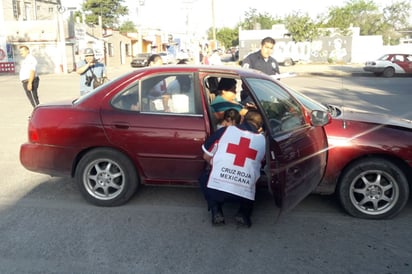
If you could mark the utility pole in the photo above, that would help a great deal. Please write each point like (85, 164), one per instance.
(213, 25)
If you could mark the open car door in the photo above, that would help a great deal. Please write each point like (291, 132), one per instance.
(296, 150)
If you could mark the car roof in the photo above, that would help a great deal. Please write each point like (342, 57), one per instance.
(209, 69)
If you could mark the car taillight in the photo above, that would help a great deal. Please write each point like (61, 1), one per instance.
(33, 134)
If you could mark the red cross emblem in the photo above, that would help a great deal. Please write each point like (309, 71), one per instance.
(242, 151)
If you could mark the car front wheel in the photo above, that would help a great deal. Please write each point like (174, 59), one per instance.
(373, 189)
(106, 177)
(389, 72)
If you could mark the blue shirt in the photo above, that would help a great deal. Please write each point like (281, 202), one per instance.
(98, 69)
(219, 104)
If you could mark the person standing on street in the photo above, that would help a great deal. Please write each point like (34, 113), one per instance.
(262, 60)
(90, 70)
(28, 75)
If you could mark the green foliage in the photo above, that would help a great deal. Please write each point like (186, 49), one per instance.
(357, 13)
(301, 27)
(256, 20)
(371, 21)
(109, 10)
(228, 37)
(127, 26)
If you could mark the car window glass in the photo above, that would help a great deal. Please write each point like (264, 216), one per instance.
(169, 93)
(283, 112)
(127, 99)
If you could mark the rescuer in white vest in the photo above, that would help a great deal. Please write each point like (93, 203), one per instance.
(235, 155)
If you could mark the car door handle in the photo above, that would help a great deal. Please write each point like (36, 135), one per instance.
(121, 126)
(295, 171)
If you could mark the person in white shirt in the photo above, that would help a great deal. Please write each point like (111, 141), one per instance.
(28, 75)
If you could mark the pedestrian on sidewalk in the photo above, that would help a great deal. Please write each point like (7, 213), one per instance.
(28, 75)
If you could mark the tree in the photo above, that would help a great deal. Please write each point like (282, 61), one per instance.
(255, 20)
(301, 27)
(109, 10)
(396, 17)
(228, 37)
(127, 26)
(366, 16)
(356, 13)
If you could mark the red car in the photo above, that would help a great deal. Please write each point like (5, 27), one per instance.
(119, 136)
(370, 160)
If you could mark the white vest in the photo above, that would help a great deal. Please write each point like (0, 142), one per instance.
(237, 161)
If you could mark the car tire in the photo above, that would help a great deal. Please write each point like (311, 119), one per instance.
(288, 62)
(389, 72)
(373, 189)
(106, 177)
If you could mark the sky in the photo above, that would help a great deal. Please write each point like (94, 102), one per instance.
(189, 16)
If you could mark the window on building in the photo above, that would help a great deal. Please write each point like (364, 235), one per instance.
(110, 49)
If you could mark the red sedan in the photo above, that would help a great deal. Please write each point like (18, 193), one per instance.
(123, 134)
(370, 160)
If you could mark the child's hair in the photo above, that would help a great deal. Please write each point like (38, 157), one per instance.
(232, 115)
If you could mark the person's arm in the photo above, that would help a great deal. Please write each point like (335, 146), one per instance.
(83, 68)
(30, 80)
(165, 101)
(207, 158)
(246, 63)
(210, 146)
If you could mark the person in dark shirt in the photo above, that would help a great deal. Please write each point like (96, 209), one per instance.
(262, 60)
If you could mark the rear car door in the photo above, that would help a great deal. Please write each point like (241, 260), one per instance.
(165, 145)
(405, 62)
(296, 150)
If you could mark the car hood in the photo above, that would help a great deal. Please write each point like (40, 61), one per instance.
(370, 117)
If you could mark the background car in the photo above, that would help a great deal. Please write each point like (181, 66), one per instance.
(140, 60)
(370, 160)
(117, 137)
(390, 64)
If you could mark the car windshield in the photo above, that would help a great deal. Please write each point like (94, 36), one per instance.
(384, 57)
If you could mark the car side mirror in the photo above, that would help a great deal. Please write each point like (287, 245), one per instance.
(320, 118)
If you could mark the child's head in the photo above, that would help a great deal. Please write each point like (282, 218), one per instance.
(231, 117)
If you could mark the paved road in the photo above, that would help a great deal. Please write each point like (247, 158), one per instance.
(46, 227)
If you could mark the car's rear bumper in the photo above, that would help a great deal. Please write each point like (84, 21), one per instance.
(47, 159)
